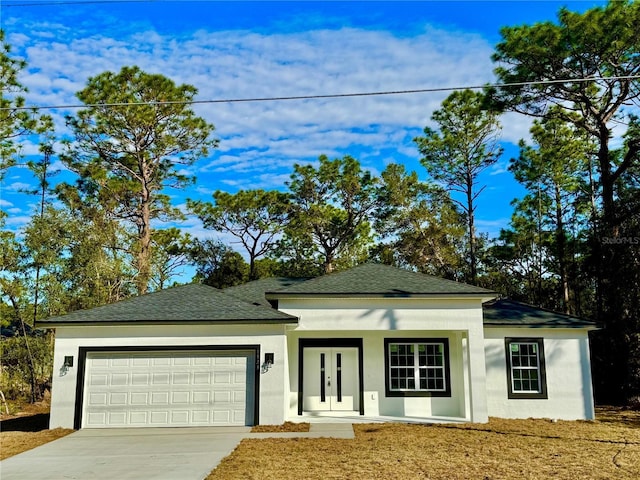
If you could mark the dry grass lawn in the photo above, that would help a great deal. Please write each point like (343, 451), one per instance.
(27, 429)
(608, 448)
(285, 427)
(13, 443)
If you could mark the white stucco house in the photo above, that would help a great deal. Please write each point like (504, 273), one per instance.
(372, 342)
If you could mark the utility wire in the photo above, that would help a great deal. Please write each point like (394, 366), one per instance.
(315, 97)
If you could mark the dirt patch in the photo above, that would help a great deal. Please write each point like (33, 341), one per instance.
(504, 449)
(26, 409)
(285, 427)
(14, 443)
(27, 429)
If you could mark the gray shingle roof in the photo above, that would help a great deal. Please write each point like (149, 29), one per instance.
(193, 303)
(253, 292)
(504, 312)
(379, 280)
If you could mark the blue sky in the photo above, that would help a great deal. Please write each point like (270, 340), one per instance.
(234, 49)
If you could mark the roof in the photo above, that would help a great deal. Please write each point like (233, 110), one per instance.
(505, 312)
(193, 303)
(253, 292)
(372, 279)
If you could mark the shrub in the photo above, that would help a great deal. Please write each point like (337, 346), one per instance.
(15, 372)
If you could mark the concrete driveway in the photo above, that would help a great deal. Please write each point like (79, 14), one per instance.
(142, 453)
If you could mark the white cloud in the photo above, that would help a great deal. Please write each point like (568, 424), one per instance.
(499, 167)
(17, 186)
(239, 64)
(260, 141)
(17, 221)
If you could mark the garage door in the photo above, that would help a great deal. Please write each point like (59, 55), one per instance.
(168, 389)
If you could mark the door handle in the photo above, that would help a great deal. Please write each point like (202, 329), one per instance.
(328, 381)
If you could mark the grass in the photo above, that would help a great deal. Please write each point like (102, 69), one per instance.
(285, 427)
(26, 430)
(606, 448)
(13, 443)
(501, 449)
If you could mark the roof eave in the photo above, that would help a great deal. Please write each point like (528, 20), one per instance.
(466, 295)
(86, 323)
(583, 326)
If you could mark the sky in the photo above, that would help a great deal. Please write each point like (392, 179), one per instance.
(238, 50)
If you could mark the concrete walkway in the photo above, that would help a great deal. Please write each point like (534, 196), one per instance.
(142, 453)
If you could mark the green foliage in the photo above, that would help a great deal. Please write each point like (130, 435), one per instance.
(331, 208)
(15, 374)
(597, 53)
(419, 225)
(126, 155)
(554, 171)
(217, 265)
(16, 122)
(170, 253)
(465, 144)
(600, 44)
(255, 217)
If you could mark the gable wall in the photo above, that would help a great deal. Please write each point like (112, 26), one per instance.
(568, 374)
(383, 313)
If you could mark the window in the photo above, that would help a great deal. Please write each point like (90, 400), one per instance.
(525, 368)
(417, 367)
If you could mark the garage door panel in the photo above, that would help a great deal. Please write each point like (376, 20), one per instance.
(138, 418)
(179, 397)
(139, 398)
(175, 388)
(118, 419)
(98, 418)
(98, 399)
(99, 379)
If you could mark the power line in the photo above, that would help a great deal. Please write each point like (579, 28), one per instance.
(316, 97)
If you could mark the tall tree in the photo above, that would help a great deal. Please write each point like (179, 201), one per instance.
(331, 208)
(98, 262)
(170, 253)
(16, 121)
(217, 265)
(552, 170)
(519, 259)
(136, 130)
(43, 173)
(255, 217)
(596, 52)
(465, 144)
(419, 225)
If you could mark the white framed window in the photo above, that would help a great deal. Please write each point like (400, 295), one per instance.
(417, 367)
(526, 368)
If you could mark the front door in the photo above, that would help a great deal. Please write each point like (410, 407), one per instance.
(331, 380)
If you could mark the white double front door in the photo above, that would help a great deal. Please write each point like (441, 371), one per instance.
(331, 380)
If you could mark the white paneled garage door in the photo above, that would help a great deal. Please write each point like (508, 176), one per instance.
(168, 388)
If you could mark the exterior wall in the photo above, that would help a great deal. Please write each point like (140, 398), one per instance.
(568, 375)
(375, 319)
(270, 338)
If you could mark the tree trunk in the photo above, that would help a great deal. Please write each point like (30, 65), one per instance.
(144, 242)
(562, 255)
(473, 269)
(32, 366)
(616, 377)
